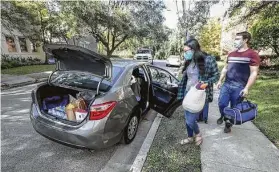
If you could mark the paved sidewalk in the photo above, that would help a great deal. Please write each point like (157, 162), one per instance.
(10, 81)
(245, 149)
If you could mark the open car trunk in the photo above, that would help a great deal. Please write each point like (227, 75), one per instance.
(68, 105)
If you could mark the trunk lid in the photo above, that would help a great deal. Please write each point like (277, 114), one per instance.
(74, 58)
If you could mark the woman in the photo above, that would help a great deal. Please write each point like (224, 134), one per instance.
(198, 67)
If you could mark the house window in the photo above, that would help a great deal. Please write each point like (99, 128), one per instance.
(22, 43)
(34, 47)
(11, 44)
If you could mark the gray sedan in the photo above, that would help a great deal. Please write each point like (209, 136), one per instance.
(117, 94)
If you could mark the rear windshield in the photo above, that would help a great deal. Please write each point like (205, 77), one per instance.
(85, 80)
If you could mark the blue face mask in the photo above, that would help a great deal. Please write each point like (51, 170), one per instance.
(188, 55)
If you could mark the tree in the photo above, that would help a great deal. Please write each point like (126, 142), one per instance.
(27, 17)
(247, 10)
(262, 20)
(194, 16)
(39, 21)
(210, 37)
(114, 22)
(265, 30)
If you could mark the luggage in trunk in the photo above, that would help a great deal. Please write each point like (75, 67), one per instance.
(64, 103)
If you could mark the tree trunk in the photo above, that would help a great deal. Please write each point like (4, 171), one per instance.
(275, 48)
(109, 53)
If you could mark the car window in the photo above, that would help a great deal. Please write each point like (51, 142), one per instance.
(160, 76)
(143, 52)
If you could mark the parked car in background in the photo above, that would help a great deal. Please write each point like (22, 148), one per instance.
(144, 54)
(92, 102)
(174, 60)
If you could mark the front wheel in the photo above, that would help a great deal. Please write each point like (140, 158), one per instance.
(131, 129)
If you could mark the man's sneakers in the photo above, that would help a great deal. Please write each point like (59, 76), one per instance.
(220, 120)
(228, 127)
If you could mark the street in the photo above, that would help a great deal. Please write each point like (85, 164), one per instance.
(25, 150)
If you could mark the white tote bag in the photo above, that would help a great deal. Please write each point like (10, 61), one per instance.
(194, 100)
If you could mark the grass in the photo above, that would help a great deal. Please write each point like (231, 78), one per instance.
(166, 154)
(265, 93)
(28, 69)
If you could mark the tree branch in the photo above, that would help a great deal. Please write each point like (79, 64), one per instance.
(120, 42)
(99, 37)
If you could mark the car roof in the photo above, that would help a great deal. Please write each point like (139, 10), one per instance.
(126, 63)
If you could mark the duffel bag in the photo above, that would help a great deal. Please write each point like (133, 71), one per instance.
(55, 101)
(243, 111)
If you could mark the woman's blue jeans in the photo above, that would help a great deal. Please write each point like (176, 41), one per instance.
(191, 123)
(204, 113)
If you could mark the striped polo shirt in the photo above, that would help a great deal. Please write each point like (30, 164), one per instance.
(239, 66)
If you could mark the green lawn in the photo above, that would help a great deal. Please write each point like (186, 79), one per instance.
(265, 93)
(166, 153)
(28, 69)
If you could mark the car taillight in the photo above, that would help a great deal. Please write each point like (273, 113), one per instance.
(101, 110)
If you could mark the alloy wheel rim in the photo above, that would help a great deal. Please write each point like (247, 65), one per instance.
(132, 128)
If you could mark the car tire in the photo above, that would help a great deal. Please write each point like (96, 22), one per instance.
(130, 131)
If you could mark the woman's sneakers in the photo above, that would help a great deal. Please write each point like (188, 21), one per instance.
(220, 120)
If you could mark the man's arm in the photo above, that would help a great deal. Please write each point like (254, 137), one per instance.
(223, 72)
(223, 75)
(252, 79)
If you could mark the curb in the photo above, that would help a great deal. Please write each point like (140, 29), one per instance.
(141, 157)
(6, 86)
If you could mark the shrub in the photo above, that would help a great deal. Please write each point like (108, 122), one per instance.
(11, 62)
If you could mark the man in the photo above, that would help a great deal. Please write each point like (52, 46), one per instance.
(240, 71)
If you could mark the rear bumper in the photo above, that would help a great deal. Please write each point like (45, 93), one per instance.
(90, 135)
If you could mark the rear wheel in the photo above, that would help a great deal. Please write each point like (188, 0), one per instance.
(131, 129)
